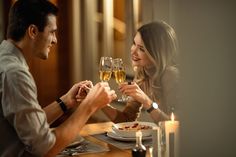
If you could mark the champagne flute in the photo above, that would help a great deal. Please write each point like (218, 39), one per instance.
(105, 69)
(120, 75)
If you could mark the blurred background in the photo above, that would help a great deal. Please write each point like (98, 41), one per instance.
(89, 29)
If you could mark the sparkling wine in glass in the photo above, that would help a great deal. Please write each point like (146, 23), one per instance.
(105, 69)
(120, 75)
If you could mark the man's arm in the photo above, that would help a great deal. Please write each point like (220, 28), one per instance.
(54, 110)
(70, 129)
(98, 97)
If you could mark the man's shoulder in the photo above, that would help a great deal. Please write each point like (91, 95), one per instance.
(9, 63)
(9, 57)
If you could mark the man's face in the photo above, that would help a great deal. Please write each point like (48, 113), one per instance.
(46, 39)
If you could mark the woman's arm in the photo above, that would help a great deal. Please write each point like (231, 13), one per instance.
(110, 112)
(140, 96)
(170, 88)
(128, 114)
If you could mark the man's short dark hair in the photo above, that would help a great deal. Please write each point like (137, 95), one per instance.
(26, 12)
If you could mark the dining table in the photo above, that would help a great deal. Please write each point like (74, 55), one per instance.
(91, 131)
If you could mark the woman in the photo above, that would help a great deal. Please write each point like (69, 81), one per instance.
(155, 85)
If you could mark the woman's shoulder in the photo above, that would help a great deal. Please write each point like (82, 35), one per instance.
(170, 73)
(171, 70)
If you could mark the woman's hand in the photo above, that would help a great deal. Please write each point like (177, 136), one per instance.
(134, 91)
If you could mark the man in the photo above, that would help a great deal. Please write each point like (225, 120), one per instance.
(24, 124)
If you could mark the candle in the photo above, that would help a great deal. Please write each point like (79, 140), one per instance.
(169, 138)
(155, 150)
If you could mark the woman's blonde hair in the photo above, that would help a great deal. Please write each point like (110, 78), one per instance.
(161, 43)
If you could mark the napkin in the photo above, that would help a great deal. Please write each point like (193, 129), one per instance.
(83, 147)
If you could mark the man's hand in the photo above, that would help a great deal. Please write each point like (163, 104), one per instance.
(84, 88)
(77, 93)
(99, 96)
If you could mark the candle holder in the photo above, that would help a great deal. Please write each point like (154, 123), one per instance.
(155, 142)
(168, 138)
(162, 140)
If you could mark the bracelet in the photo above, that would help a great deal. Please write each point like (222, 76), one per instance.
(62, 105)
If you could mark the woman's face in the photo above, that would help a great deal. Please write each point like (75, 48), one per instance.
(139, 55)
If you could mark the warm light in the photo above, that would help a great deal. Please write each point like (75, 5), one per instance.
(172, 117)
(136, 12)
(108, 24)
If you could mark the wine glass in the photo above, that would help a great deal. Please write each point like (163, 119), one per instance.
(105, 69)
(120, 75)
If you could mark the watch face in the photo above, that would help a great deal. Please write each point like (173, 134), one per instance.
(155, 105)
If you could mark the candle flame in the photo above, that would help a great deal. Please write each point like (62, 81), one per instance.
(172, 117)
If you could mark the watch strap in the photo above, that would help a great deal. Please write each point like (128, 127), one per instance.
(62, 105)
(149, 110)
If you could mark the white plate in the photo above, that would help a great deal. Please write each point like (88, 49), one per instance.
(120, 138)
(129, 129)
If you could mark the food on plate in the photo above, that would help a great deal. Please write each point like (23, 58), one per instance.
(134, 127)
(129, 129)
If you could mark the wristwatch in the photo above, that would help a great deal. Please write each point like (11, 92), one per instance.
(154, 105)
(62, 105)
